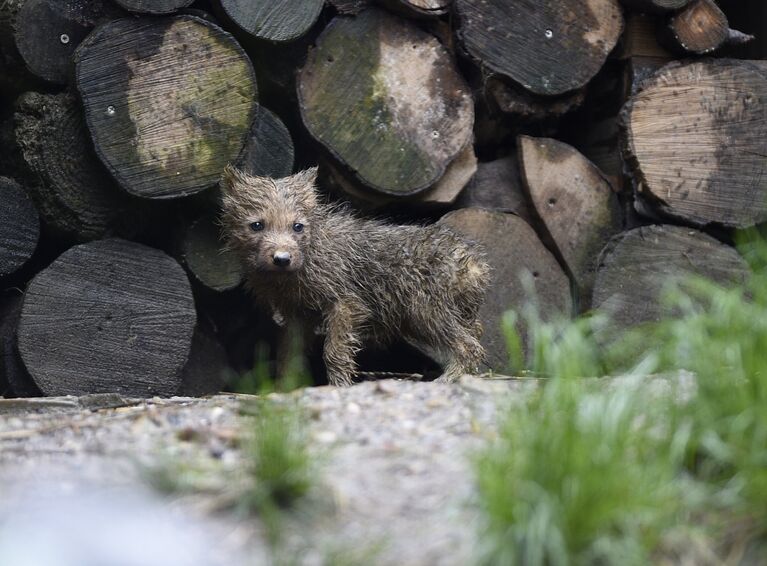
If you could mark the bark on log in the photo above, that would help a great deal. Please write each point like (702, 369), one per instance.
(108, 316)
(418, 8)
(45, 33)
(386, 100)
(512, 248)
(269, 150)
(75, 194)
(640, 38)
(701, 27)
(526, 107)
(576, 204)
(497, 185)
(204, 256)
(694, 137)
(636, 267)
(19, 227)
(655, 6)
(273, 20)
(549, 47)
(154, 6)
(168, 101)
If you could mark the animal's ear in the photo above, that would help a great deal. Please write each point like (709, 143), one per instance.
(305, 181)
(231, 178)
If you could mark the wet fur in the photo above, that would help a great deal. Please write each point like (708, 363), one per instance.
(359, 278)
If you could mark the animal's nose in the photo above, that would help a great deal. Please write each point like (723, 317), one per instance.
(281, 259)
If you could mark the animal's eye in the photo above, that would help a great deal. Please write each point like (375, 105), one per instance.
(257, 226)
(298, 227)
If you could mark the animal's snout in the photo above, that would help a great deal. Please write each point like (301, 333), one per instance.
(281, 259)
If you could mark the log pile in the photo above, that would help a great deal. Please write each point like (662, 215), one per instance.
(595, 148)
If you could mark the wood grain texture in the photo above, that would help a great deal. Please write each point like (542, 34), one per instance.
(205, 258)
(512, 249)
(75, 194)
(416, 8)
(699, 28)
(575, 203)
(694, 138)
(15, 381)
(655, 6)
(638, 265)
(47, 32)
(352, 7)
(386, 100)
(269, 151)
(547, 46)
(497, 185)
(154, 6)
(108, 316)
(273, 20)
(19, 227)
(168, 101)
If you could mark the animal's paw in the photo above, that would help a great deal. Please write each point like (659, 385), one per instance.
(278, 319)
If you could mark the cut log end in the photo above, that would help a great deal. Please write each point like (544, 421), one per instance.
(154, 6)
(694, 140)
(269, 151)
(273, 20)
(574, 201)
(512, 249)
(204, 256)
(386, 100)
(701, 27)
(169, 102)
(637, 267)
(109, 316)
(549, 47)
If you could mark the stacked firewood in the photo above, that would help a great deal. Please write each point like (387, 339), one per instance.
(596, 148)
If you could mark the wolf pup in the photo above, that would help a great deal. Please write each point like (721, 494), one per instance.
(310, 261)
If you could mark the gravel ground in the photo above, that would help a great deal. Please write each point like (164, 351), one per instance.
(394, 479)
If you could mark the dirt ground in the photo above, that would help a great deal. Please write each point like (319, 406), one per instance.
(394, 482)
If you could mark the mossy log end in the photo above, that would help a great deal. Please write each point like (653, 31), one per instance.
(273, 20)
(19, 227)
(75, 194)
(168, 101)
(385, 98)
(549, 47)
(576, 204)
(637, 266)
(108, 316)
(694, 138)
(512, 249)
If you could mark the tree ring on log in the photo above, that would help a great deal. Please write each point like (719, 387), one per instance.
(386, 100)
(108, 316)
(273, 20)
(269, 151)
(168, 101)
(694, 137)
(549, 47)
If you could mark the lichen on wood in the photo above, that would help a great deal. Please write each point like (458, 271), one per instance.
(386, 100)
(168, 101)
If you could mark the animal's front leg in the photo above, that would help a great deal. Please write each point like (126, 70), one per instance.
(344, 323)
